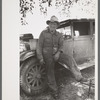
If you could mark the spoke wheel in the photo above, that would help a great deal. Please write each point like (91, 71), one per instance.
(33, 77)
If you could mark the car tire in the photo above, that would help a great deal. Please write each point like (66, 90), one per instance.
(32, 77)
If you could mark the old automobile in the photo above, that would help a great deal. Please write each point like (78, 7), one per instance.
(79, 41)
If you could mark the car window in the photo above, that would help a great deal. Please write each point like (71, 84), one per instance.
(66, 31)
(93, 28)
(81, 28)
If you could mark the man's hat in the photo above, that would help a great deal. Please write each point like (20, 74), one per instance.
(53, 19)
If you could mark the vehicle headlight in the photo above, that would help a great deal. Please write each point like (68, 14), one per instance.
(22, 47)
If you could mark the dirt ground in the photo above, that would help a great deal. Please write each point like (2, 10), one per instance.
(69, 89)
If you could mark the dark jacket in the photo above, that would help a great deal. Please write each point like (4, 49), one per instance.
(49, 43)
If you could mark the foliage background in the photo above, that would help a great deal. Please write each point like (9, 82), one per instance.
(34, 13)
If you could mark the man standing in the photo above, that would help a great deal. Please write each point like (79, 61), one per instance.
(50, 50)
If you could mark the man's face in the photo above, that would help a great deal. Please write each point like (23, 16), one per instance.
(53, 26)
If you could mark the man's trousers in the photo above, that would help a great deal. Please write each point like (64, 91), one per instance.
(64, 59)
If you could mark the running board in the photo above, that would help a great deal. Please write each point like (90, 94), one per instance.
(82, 66)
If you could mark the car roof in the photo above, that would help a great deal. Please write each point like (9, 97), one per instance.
(68, 22)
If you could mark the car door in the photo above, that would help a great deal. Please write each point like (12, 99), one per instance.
(68, 41)
(83, 49)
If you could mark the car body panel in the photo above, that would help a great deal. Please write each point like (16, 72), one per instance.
(82, 47)
(27, 54)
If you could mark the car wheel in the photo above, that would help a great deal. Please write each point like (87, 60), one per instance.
(32, 77)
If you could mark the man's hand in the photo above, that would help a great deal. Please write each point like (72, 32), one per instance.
(56, 56)
(42, 62)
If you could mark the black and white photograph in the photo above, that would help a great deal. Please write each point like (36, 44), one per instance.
(57, 49)
(55, 53)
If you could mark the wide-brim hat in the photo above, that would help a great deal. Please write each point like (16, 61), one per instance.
(53, 19)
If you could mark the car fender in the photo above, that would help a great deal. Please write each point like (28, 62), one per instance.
(26, 55)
